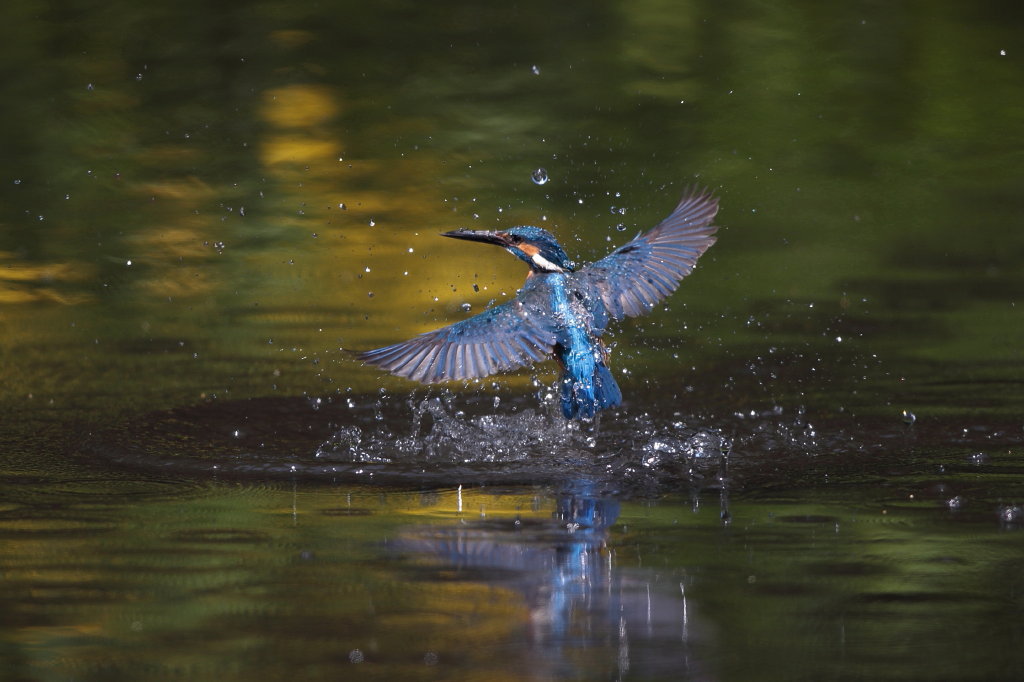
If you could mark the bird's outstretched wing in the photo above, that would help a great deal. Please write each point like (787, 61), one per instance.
(634, 277)
(514, 334)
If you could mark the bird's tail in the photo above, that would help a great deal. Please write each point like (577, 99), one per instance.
(582, 398)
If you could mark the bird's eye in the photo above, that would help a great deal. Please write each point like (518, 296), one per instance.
(515, 239)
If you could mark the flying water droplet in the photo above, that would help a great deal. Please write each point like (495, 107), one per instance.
(1011, 514)
(540, 176)
(466, 307)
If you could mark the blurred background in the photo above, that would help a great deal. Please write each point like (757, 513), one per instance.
(205, 201)
(202, 205)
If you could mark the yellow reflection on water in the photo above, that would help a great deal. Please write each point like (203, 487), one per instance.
(27, 282)
(300, 105)
(377, 251)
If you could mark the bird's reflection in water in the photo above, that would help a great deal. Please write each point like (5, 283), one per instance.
(585, 611)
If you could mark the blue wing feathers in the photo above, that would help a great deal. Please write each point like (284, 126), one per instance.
(634, 277)
(514, 334)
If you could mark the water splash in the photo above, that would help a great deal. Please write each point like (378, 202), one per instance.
(447, 432)
(499, 435)
(440, 432)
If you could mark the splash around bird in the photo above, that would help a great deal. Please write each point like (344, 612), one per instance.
(562, 311)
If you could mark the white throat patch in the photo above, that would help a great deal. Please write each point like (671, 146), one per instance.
(544, 264)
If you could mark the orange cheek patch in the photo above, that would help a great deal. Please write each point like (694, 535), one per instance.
(529, 249)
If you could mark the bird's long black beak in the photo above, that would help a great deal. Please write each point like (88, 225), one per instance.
(485, 236)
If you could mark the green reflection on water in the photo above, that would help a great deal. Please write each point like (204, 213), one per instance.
(863, 169)
(176, 191)
(254, 583)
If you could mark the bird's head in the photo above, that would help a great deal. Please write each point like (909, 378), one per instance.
(536, 247)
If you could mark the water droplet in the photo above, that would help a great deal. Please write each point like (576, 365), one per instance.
(128, 262)
(372, 222)
(343, 207)
(536, 69)
(909, 417)
(540, 176)
(1010, 513)
(466, 307)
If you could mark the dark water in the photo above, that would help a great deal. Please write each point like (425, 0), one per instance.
(817, 472)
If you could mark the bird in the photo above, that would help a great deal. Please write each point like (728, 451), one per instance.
(562, 310)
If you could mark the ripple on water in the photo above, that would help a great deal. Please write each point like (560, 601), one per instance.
(446, 439)
(437, 439)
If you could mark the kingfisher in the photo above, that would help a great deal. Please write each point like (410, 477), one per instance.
(562, 310)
